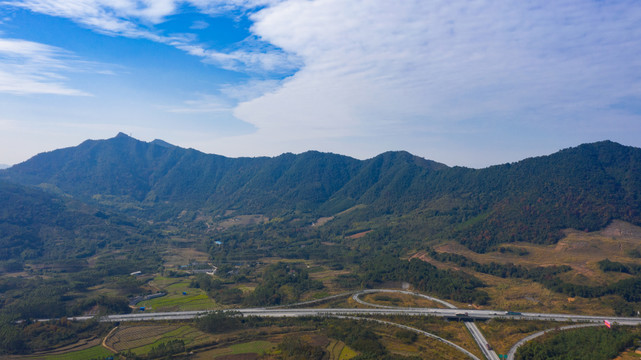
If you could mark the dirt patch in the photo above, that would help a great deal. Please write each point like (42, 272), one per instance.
(621, 228)
(243, 220)
(322, 221)
(359, 235)
(319, 340)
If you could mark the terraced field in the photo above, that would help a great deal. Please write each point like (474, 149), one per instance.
(141, 338)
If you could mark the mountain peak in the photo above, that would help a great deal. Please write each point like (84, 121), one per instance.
(122, 135)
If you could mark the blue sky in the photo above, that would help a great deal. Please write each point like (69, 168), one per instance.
(470, 83)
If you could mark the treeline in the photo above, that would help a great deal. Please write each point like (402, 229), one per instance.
(508, 270)
(28, 337)
(594, 343)
(449, 284)
(628, 289)
(614, 266)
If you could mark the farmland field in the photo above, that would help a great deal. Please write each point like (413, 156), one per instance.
(175, 300)
(141, 338)
(252, 347)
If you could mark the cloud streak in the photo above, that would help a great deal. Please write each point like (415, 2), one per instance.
(137, 19)
(28, 67)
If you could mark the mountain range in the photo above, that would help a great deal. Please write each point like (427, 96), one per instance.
(583, 187)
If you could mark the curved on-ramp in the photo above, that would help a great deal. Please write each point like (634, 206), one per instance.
(425, 333)
(515, 347)
(478, 337)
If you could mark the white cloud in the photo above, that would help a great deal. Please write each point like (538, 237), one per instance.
(203, 104)
(250, 90)
(250, 61)
(215, 7)
(28, 67)
(427, 67)
(199, 25)
(135, 19)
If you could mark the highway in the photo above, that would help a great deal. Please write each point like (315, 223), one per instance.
(480, 340)
(451, 312)
(448, 313)
(487, 351)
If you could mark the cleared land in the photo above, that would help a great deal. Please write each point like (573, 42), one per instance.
(580, 250)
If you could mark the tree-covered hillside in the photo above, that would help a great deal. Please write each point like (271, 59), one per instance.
(532, 200)
(132, 173)
(37, 225)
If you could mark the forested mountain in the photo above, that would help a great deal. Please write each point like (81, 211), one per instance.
(125, 170)
(532, 200)
(37, 225)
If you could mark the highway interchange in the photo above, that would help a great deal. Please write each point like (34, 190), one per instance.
(451, 312)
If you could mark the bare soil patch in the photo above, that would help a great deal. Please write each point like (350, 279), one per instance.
(322, 221)
(243, 220)
(359, 235)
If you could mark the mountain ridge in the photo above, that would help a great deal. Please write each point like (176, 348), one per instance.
(582, 187)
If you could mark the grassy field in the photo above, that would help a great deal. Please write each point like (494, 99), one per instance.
(347, 353)
(96, 352)
(196, 299)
